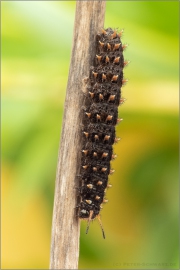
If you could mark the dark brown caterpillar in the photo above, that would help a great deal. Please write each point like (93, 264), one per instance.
(100, 118)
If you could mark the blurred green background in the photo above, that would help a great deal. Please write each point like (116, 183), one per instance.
(141, 218)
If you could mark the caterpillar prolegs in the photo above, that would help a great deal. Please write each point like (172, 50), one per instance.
(99, 121)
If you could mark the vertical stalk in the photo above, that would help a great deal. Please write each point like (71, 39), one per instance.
(89, 19)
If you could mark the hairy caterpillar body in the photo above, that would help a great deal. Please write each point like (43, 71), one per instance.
(99, 121)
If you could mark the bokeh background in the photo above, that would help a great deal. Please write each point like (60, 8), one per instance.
(141, 218)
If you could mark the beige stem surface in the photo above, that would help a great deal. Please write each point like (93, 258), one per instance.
(89, 19)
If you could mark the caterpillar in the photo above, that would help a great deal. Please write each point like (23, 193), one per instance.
(99, 119)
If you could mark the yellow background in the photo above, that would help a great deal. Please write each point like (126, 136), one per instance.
(141, 218)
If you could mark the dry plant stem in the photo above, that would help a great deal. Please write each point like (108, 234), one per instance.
(89, 19)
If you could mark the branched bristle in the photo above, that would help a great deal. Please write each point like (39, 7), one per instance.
(100, 222)
(89, 220)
